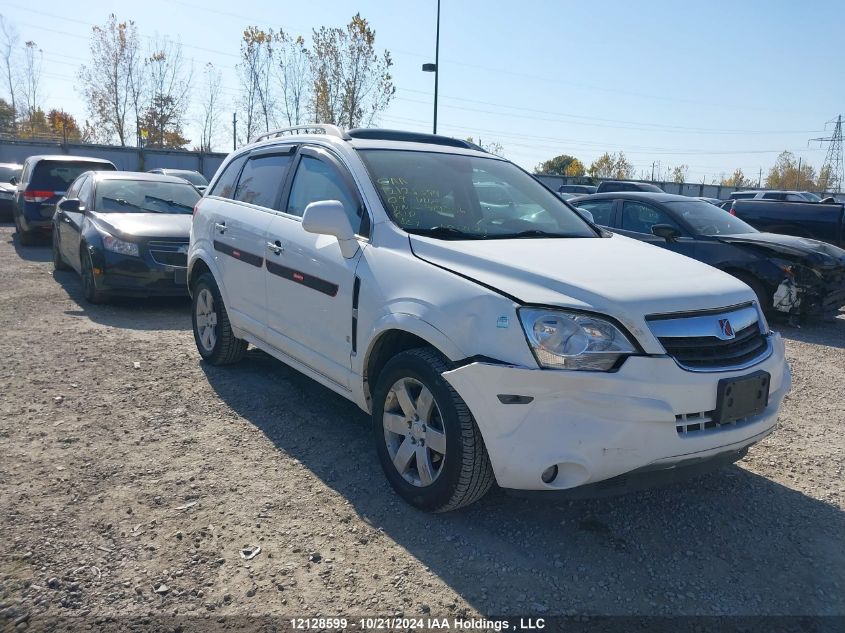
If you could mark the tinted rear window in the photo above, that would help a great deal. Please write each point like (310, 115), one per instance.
(52, 175)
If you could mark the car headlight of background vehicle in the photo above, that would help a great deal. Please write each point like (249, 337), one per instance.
(115, 245)
(569, 340)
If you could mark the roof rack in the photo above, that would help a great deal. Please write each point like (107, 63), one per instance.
(380, 134)
(311, 128)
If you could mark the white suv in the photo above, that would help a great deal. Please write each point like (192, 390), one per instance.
(492, 333)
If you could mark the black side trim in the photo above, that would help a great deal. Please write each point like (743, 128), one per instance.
(243, 256)
(356, 291)
(315, 283)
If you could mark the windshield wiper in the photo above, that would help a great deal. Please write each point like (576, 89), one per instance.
(446, 232)
(172, 203)
(122, 202)
(530, 233)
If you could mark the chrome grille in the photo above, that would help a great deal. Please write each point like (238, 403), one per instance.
(173, 253)
(713, 341)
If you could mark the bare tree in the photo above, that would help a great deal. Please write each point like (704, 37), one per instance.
(30, 80)
(9, 41)
(352, 84)
(168, 83)
(255, 75)
(210, 107)
(293, 71)
(108, 81)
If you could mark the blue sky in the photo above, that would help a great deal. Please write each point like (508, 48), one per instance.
(715, 86)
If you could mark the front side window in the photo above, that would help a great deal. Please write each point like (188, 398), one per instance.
(640, 217)
(262, 179)
(144, 196)
(316, 180)
(224, 187)
(84, 191)
(455, 196)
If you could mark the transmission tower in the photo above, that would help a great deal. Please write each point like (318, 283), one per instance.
(833, 165)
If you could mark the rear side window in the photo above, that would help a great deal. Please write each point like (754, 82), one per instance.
(262, 179)
(225, 185)
(601, 210)
(773, 196)
(50, 175)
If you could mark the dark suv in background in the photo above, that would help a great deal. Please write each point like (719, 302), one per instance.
(44, 180)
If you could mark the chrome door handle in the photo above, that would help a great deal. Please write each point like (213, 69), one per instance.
(221, 228)
(276, 247)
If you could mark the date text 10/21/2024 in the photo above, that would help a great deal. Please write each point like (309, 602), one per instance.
(422, 624)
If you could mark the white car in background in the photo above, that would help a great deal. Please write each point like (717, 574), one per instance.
(492, 332)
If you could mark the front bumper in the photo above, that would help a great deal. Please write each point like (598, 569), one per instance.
(140, 276)
(595, 426)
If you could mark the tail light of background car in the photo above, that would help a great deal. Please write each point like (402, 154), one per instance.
(37, 195)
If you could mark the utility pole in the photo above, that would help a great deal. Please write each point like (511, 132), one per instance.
(435, 67)
(760, 178)
(798, 179)
(234, 130)
(652, 170)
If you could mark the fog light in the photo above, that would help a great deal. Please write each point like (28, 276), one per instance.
(549, 474)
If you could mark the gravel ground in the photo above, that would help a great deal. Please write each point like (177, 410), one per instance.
(132, 476)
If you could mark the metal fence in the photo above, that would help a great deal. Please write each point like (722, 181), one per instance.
(126, 158)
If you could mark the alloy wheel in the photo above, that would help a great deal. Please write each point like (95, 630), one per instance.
(206, 319)
(414, 432)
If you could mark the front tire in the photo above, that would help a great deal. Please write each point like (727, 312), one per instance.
(213, 334)
(58, 260)
(764, 297)
(89, 282)
(427, 441)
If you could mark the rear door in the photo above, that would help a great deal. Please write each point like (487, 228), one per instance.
(310, 284)
(240, 228)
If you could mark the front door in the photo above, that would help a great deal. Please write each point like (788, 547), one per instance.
(70, 224)
(309, 281)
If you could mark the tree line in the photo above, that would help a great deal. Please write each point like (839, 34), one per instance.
(786, 173)
(141, 94)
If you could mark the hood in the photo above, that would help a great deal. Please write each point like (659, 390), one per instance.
(785, 244)
(145, 224)
(8, 187)
(618, 276)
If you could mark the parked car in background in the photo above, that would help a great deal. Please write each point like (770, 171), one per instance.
(624, 185)
(788, 274)
(10, 174)
(194, 177)
(489, 339)
(44, 180)
(824, 222)
(125, 233)
(787, 196)
(582, 189)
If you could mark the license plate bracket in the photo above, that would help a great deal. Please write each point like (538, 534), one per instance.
(743, 397)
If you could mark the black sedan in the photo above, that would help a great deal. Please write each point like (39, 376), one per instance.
(125, 233)
(789, 274)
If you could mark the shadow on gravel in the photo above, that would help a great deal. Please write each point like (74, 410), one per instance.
(131, 313)
(40, 252)
(731, 542)
(830, 333)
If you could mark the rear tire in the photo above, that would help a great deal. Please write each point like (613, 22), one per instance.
(213, 334)
(26, 238)
(764, 297)
(414, 407)
(58, 260)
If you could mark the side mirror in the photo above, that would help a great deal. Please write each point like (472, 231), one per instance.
(587, 215)
(13, 180)
(666, 231)
(73, 205)
(327, 217)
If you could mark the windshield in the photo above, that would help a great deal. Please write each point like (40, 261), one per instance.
(7, 173)
(453, 196)
(57, 176)
(145, 196)
(193, 177)
(708, 219)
